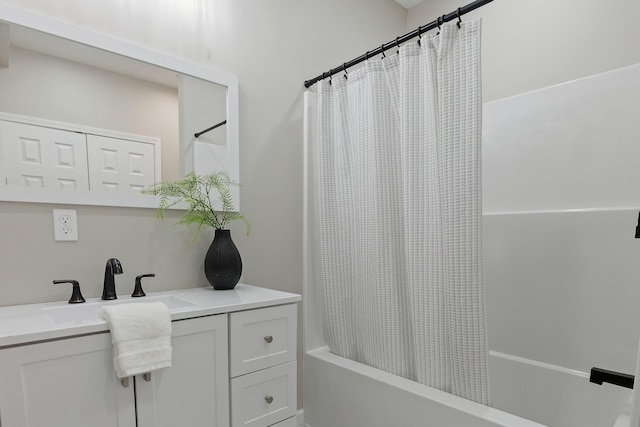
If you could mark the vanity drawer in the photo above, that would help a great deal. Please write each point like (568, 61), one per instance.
(263, 398)
(261, 338)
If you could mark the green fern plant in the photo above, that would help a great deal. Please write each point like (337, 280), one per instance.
(197, 191)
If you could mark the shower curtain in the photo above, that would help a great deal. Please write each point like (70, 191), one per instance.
(399, 213)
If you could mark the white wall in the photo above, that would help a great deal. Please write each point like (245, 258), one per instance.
(272, 46)
(529, 44)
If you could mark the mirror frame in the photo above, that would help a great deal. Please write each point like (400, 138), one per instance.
(14, 15)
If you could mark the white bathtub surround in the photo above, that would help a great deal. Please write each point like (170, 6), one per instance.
(525, 393)
(347, 393)
(634, 416)
(399, 213)
(552, 395)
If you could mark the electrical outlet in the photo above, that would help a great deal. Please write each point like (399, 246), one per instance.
(65, 225)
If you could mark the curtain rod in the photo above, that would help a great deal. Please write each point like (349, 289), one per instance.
(415, 33)
(224, 122)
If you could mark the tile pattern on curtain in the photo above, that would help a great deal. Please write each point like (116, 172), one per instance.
(399, 204)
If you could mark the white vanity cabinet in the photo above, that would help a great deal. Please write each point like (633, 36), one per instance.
(72, 382)
(233, 364)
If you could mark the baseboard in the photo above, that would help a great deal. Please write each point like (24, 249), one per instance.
(300, 418)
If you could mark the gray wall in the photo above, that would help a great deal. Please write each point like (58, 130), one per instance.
(272, 46)
(46, 87)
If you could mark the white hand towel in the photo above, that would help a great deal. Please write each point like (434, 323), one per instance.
(141, 336)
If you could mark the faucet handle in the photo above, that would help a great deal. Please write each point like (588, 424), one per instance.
(76, 295)
(137, 291)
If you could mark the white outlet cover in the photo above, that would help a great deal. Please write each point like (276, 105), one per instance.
(65, 225)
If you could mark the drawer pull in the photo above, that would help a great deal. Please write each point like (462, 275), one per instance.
(125, 382)
(147, 376)
(269, 399)
(268, 339)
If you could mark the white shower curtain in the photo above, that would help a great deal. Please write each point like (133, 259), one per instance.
(399, 213)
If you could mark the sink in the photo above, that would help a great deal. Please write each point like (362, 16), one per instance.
(87, 312)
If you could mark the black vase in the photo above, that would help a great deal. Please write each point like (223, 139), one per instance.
(223, 265)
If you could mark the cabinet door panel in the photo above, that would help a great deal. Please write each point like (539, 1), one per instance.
(70, 383)
(36, 156)
(119, 165)
(194, 391)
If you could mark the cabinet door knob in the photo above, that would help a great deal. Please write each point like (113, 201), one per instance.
(268, 339)
(269, 399)
(125, 382)
(147, 376)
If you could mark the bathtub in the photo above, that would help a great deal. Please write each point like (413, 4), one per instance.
(339, 392)
(574, 305)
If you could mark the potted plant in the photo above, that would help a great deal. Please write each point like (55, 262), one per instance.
(222, 264)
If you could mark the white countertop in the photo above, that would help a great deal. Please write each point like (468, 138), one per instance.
(20, 324)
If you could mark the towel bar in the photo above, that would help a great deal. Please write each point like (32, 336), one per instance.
(599, 376)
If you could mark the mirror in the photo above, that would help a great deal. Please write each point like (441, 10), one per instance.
(109, 97)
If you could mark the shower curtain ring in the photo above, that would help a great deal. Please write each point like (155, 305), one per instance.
(366, 55)
(397, 45)
(344, 68)
(382, 51)
(419, 34)
(459, 19)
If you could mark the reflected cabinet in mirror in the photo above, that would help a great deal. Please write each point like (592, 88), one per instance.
(89, 119)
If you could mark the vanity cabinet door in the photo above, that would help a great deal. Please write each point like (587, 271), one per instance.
(70, 383)
(194, 391)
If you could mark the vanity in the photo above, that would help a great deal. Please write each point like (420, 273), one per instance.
(234, 364)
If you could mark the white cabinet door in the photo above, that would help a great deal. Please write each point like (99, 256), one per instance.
(120, 165)
(194, 391)
(37, 156)
(70, 383)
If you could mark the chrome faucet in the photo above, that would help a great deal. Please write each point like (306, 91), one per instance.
(109, 289)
